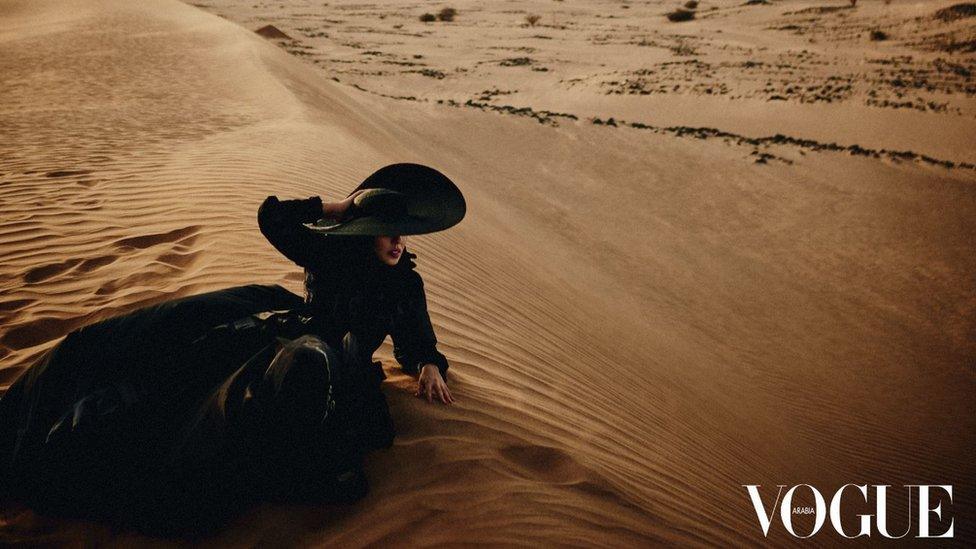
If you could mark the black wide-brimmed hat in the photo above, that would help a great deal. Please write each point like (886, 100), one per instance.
(399, 199)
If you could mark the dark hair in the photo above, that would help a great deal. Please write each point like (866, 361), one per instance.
(369, 270)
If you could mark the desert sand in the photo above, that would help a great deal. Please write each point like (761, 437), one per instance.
(734, 250)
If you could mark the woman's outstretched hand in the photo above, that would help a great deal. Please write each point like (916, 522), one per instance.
(432, 385)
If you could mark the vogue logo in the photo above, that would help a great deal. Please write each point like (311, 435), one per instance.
(819, 510)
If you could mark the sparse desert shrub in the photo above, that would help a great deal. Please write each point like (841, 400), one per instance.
(853, 3)
(965, 46)
(680, 15)
(878, 35)
(428, 17)
(532, 19)
(691, 4)
(447, 14)
(958, 11)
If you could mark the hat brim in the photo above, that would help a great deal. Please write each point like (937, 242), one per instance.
(376, 226)
(433, 203)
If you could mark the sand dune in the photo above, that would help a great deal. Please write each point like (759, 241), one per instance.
(638, 321)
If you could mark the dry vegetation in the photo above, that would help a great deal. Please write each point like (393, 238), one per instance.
(447, 14)
(680, 15)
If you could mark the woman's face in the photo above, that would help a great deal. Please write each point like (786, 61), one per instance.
(389, 248)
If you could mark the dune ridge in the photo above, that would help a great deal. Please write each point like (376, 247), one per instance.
(637, 324)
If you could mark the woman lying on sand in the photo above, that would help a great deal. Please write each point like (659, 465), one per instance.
(175, 416)
(359, 277)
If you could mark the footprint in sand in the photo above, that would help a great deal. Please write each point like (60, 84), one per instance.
(15, 305)
(93, 263)
(177, 259)
(544, 463)
(44, 272)
(66, 173)
(86, 204)
(178, 255)
(38, 331)
(555, 466)
(183, 236)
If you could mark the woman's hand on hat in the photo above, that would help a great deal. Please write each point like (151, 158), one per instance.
(337, 210)
(432, 385)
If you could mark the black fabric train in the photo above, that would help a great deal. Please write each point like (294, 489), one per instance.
(176, 416)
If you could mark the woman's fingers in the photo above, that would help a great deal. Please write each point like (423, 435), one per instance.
(434, 389)
(445, 393)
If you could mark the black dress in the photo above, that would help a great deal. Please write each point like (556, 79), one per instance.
(348, 290)
(176, 416)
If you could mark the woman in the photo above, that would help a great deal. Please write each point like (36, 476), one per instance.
(359, 277)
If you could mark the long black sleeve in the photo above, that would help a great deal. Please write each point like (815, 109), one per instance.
(281, 223)
(414, 342)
